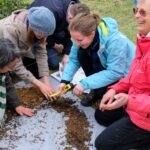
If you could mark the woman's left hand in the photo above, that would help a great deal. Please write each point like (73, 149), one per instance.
(21, 110)
(121, 99)
(78, 89)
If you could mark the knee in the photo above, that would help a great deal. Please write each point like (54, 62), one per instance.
(100, 143)
(101, 118)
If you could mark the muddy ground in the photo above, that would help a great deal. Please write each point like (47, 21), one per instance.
(77, 132)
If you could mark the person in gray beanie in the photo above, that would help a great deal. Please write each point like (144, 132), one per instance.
(8, 95)
(28, 30)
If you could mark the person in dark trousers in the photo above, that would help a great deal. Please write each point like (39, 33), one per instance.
(8, 96)
(125, 108)
(60, 41)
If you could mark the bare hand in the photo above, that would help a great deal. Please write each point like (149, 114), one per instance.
(107, 99)
(78, 89)
(45, 87)
(61, 86)
(47, 91)
(21, 110)
(121, 99)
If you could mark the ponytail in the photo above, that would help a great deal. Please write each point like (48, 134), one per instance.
(97, 18)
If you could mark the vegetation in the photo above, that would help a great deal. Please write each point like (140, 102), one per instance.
(121, 10)
(7, 6)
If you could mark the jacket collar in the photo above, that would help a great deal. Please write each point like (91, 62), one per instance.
(103, 32)
(143, 45)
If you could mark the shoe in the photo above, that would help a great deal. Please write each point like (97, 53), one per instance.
(89, 99)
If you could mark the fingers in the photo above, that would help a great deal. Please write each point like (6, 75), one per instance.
(107, 99)
(103, 102)
(28, 112)
(47, 91)
(60, 86)
(77, 92)
(118, 101)
(20, 113)
(21, 110)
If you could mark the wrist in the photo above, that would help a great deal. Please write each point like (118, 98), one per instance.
(64, 81)
(36, 82)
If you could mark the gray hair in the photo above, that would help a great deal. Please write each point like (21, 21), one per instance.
(8, 52)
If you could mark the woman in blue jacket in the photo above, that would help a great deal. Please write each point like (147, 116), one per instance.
(101, 50)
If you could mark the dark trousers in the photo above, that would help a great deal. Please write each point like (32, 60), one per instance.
(121, 133)
(86, 64)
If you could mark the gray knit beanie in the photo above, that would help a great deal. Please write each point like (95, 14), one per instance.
(41, 20)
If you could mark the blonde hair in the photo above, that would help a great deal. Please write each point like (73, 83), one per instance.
(84, 23)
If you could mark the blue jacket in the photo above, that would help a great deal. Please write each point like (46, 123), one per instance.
(116, 54)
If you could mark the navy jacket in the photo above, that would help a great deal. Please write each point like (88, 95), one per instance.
(59, 9)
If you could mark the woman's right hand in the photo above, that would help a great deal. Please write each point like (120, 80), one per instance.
(107, 99)
(45, 89)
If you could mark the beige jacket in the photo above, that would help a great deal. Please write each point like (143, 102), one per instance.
(14, 27)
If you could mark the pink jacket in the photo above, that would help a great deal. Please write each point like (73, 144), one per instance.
(137, 84)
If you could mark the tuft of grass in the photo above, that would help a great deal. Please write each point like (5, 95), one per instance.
(121, 10)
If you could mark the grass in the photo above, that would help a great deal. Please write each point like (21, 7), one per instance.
(121, 10)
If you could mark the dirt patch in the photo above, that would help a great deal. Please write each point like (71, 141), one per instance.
(77, 132)
(30, 97)
(77, 124)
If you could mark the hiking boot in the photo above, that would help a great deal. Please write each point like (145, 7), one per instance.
(89, 99)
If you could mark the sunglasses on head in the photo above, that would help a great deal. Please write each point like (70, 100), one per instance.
(142, 12)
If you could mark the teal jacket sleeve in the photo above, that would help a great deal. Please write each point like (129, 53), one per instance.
(73, 64)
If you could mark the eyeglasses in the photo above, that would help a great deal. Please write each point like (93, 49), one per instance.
(142, 12)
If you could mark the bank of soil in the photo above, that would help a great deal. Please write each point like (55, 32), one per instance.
(77, 133)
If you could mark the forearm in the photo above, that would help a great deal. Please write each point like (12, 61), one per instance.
(46, 80)
(36, 83)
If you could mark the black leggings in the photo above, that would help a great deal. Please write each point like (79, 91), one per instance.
(121, 133)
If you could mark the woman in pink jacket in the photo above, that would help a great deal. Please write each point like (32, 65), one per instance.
(131, 128)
